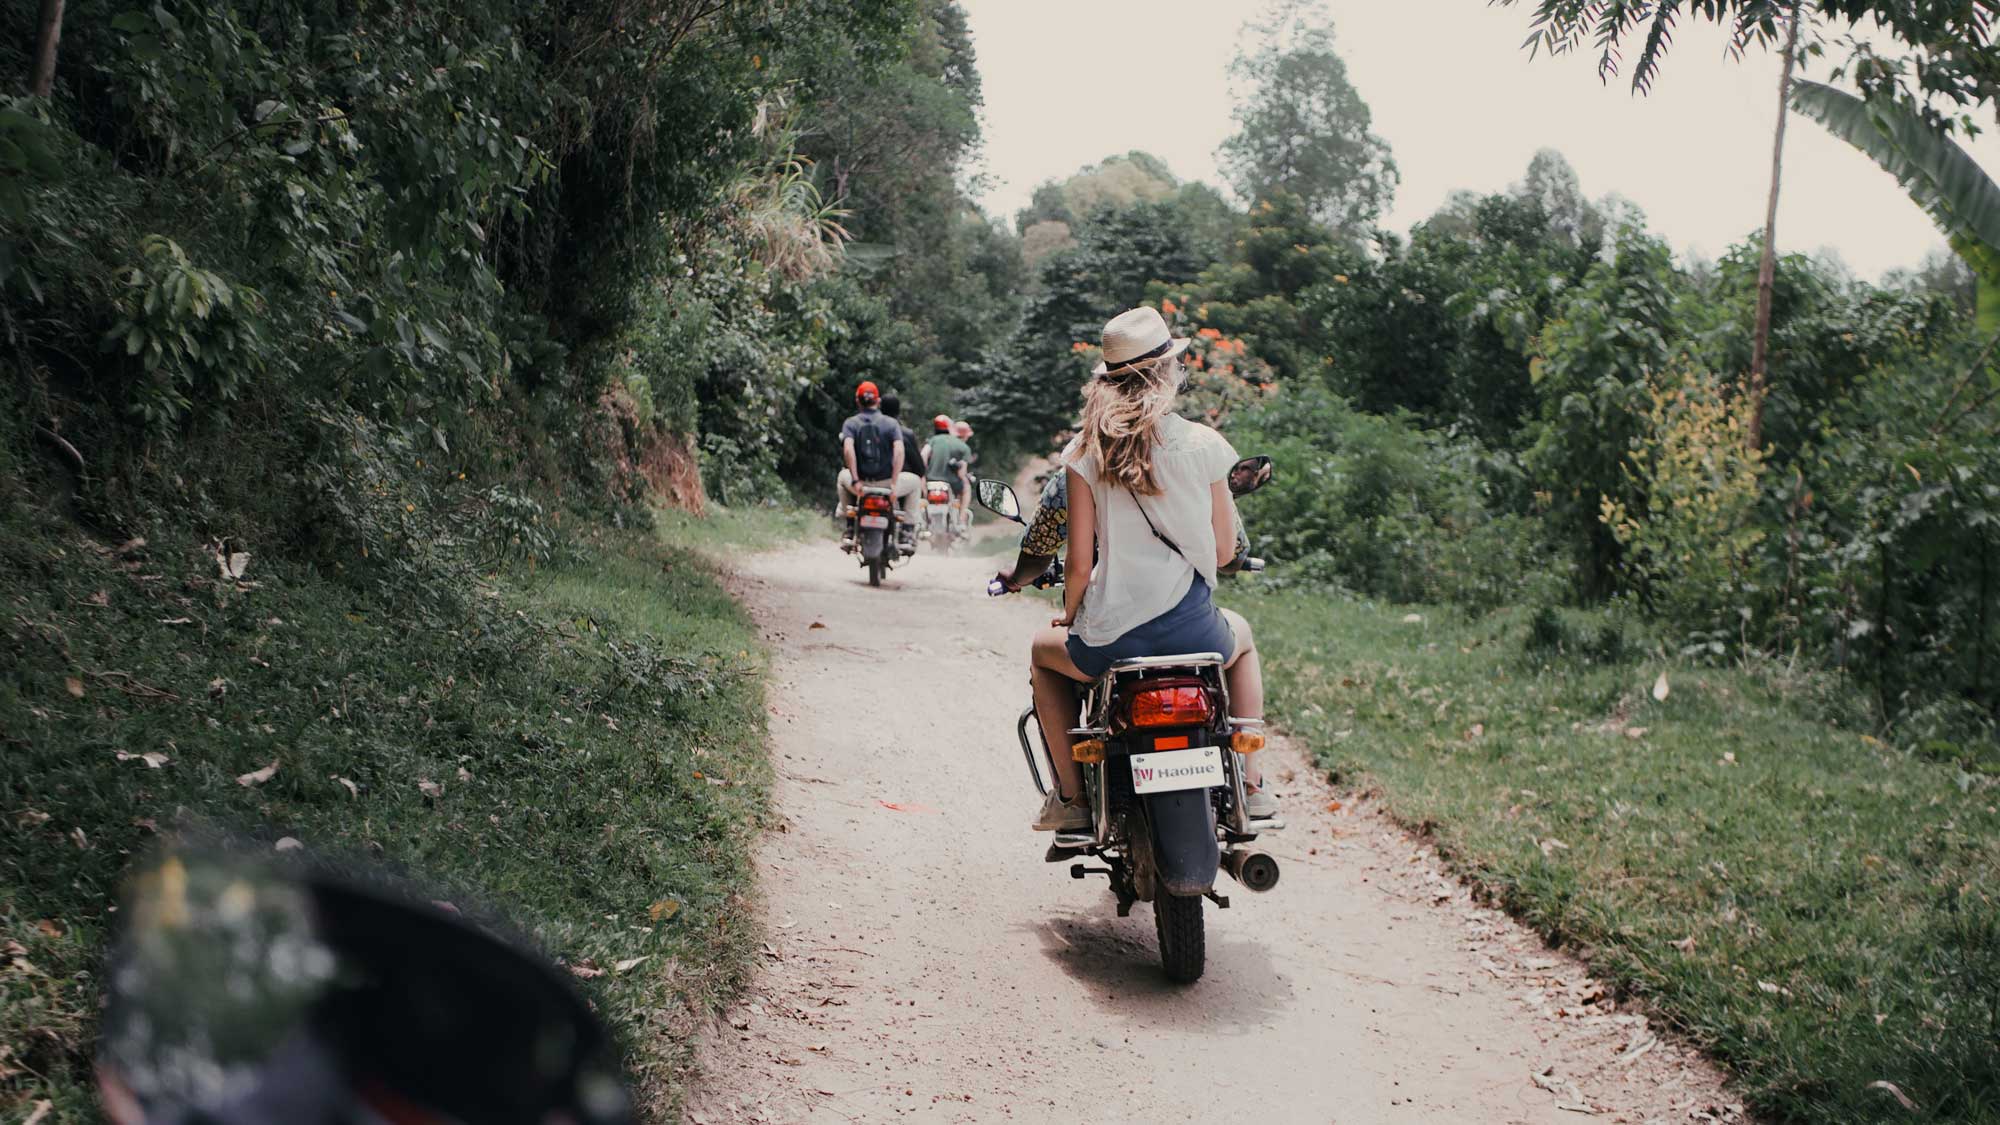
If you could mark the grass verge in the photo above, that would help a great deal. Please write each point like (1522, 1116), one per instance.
(1813, 907)
(580, 751)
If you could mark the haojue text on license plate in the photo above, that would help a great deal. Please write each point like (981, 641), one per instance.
(1199, 767)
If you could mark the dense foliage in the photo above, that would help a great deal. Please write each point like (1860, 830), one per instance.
(1530, 398)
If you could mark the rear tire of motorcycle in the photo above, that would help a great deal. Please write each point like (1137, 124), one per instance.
(876, 567)
(1183, 946)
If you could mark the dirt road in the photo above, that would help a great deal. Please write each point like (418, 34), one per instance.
(924, 964)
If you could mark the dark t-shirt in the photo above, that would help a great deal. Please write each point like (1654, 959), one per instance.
(875, 435)
(913, 459)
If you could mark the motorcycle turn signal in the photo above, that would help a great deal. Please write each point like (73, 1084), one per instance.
(1089, 752)
(1246, 741)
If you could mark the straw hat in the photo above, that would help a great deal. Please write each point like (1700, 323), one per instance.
(1137, 336)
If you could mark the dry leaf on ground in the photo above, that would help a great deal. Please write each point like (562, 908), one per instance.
(586, 969)
(1661, 688)
(1895, 1092)
(153, 758)
(73, 685)
(430, 788)
(630, 963)
(258, 777)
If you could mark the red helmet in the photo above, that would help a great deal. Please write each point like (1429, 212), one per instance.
(942, 423)
(866, 393)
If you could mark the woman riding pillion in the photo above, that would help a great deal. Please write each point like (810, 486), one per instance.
(1151, 520)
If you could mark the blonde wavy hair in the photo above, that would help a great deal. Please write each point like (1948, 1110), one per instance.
(1122, 411)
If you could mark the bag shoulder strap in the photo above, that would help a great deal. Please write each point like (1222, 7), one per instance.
(1157, 534)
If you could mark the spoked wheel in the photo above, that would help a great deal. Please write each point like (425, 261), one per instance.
(1183, 946)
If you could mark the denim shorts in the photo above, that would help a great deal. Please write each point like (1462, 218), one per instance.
(1192, 625)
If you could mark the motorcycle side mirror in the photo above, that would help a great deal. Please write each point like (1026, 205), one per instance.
(239, 992)
(1250, 474)
(998, 497)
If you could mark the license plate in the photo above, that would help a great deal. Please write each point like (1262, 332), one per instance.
(874, 521)
(1197, 768)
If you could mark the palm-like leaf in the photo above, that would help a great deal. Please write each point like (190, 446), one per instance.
(1939, 176)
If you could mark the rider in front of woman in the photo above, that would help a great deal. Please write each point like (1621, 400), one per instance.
(1151, 520)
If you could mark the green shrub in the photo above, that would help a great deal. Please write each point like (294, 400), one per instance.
(1375, 505)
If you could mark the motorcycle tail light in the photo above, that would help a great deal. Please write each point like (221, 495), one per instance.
(1178, 706)
(874, 502)
(939, 495)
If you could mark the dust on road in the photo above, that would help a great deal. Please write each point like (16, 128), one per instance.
(922, 963)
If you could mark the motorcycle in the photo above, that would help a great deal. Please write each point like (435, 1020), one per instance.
(939, 517)
(873, 520)
(1163, 774)
(241, 992)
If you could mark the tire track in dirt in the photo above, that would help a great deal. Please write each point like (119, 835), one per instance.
(921, 963)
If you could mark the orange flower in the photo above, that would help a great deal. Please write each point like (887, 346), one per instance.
(1210, 334)
(1168, 307)
(1079, 347)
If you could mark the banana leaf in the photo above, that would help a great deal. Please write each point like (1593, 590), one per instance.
(1939, 176)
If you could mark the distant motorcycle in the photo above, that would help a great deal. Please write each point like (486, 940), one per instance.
(872, 521)
(1162, 774)
(939, 517)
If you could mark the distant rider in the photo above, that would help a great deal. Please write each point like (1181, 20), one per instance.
(962, 430)
(871, 447)
(949, 459)
(911, 476)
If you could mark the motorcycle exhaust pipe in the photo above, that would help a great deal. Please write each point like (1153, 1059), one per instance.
(1257, 871)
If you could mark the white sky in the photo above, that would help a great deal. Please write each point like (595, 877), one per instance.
(1069, 82)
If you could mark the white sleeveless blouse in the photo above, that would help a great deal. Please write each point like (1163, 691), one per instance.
(1138, 577)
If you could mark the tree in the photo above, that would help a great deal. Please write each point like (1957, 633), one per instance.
(887, 142)
(1551, 182)
(1302, 128)
(1760, 338)
(1030, 389)
(1952, 62)
(1559, 26)
(48, 34)
(1115, 181)
(1939, 176)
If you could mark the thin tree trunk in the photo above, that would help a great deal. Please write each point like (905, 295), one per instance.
(1767, 267)
(48, 34)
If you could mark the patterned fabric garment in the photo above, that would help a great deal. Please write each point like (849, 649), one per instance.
(1050, 527)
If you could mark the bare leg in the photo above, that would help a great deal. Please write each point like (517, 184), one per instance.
(1055, 678)
(1245, 673)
